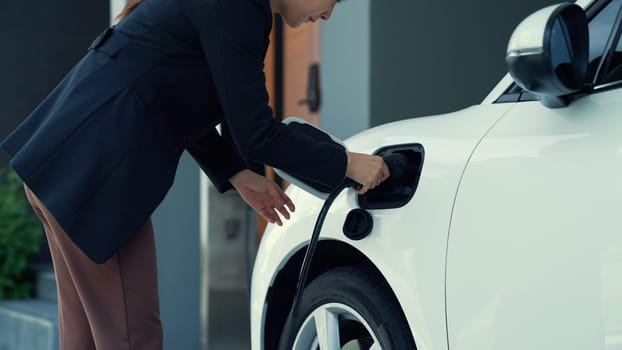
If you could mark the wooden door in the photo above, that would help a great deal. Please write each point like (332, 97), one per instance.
(300, 51)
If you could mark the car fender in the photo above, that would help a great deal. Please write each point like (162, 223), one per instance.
(408, 244)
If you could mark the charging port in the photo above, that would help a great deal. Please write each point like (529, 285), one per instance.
(405, 164)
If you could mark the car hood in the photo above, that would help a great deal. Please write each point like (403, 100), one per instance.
(459, 125)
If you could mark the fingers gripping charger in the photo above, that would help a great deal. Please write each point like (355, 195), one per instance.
(394, 161)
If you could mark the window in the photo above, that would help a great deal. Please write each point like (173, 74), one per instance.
(600, 29)
(611, 71)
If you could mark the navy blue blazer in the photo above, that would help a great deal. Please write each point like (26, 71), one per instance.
(101, 151)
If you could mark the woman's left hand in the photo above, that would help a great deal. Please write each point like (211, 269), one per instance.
(263, 195)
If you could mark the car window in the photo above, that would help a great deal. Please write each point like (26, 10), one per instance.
(599, 28)
(612, 68)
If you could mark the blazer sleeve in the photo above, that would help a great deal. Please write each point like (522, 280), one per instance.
(234, 38)
(218, 158)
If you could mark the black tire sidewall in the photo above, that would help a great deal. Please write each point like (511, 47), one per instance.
(364, 292)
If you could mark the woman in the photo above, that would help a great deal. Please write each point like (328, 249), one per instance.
(99, 154)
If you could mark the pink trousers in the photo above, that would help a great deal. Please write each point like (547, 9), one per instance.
(110, 306)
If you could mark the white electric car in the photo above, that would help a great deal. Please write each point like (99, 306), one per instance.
(506, 233)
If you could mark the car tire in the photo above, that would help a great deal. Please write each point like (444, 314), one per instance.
(358, 303)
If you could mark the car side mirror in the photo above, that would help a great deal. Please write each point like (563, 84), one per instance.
(319, 190)
(548, 53)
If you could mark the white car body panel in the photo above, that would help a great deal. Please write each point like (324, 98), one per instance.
(530, 191)
(411, 255)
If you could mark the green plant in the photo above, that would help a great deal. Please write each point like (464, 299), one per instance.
(20, 237)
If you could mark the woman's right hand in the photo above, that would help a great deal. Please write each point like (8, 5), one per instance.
(369, 171)
(263, 195)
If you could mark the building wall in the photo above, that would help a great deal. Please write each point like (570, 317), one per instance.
(176, 224)
(436, 57)
(345, 69)
(383, 62)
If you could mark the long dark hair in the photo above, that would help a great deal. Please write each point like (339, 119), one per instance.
(131, 4)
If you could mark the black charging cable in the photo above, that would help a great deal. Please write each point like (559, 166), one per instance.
(306, 263)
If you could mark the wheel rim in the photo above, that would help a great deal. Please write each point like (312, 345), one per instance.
(335, 326)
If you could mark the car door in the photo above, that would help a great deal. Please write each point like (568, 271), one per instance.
(535, 247)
